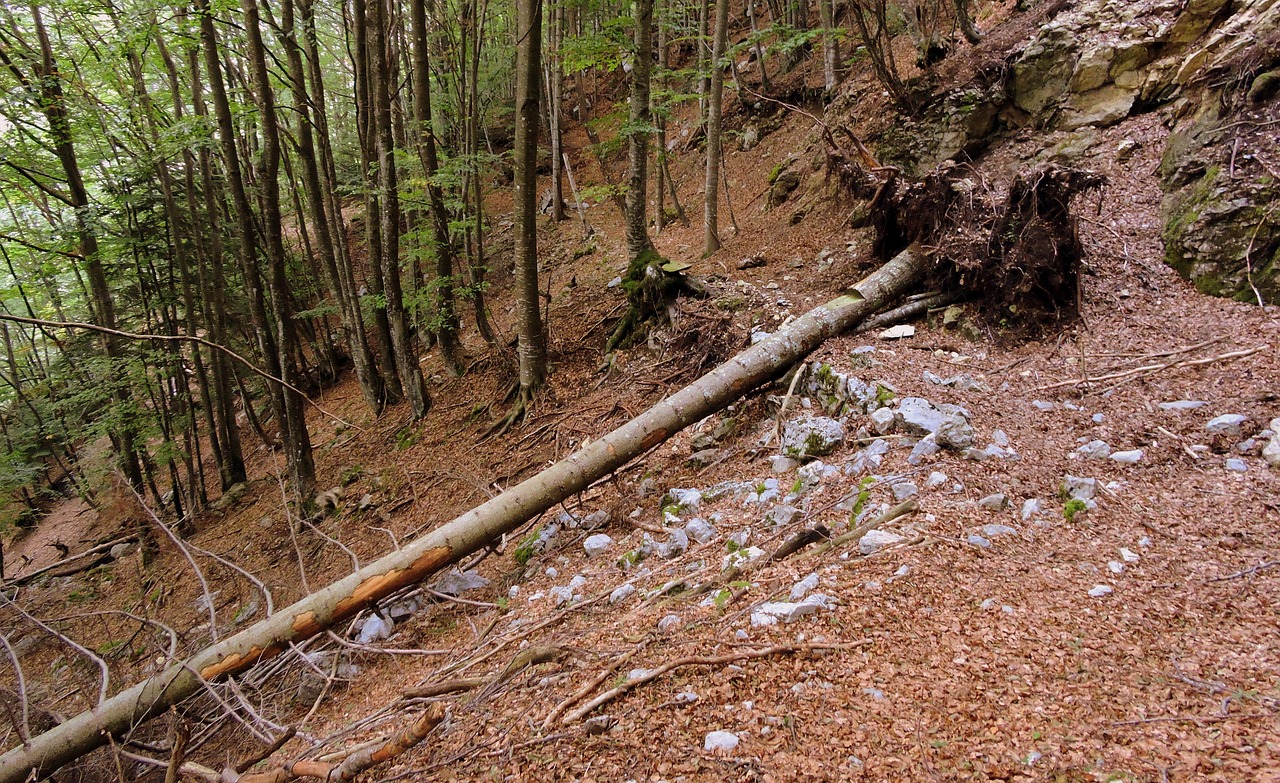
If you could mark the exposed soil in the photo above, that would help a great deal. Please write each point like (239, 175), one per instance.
(958, 662)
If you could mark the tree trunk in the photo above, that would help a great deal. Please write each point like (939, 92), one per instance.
(555, 110)
(293, 428)
(710, 212)
(59, 129)
(446, 303)
(532, 347)
(830, 46)
(468, 533)
(381, 84)
(637, 225)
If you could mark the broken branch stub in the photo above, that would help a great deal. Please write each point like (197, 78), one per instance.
(468, 533)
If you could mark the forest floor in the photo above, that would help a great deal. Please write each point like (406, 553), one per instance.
(947, 657)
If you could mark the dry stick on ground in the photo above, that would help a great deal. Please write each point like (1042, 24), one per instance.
(909, 311)
(22, 721)
(695, 660)
(1154, 368)
(101, 664)
(100, 549)
(180, 338)
(594, 683)
(1247, 571)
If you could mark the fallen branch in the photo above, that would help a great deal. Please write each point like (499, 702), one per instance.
(586, 690)
(1247, 571)
(1154, 368)
(650, 676)
(909, 311)
(900, 510)
(103, 550)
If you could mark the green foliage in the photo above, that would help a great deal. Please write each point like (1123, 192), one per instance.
(1073, 508)
(527, 548)
(860, 502)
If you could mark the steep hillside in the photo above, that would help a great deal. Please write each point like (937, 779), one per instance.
(1084, 585)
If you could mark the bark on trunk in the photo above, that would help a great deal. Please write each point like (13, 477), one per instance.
(710, 212)
(532, 349)
(466, 534)
(638, 140)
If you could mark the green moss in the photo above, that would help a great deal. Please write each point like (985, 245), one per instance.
(525, 551)
(1073, 508)
(884, 395)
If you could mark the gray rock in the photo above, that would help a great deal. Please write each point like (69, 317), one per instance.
(904, 490)
(699, 530)
(622, 593)
(1100, 108)
(1095, 449)
(1182, 405)
(1078, 488)
(978, 541)
(121, 550)
(1100, 591)
(1227, 424)
(677, 545)
(702, 458)
(1042, 405)
(782, 464)
(683, 500)
(455, 582)
(925, 447)
(669, 623)
(720, 742)
(935, 480)
(995, 531)
(782, 515)
(366, 502)
(882, 420)
(949, 424)
(994, 502)
(597, 544)
(811, 436)
(961, 382)
(1127, 457)
(1271, 451)
(1237, 465)
(599, 724)
(1030, 508)
(595, 520)
(805, 586)
(373, 629)
(875, 540)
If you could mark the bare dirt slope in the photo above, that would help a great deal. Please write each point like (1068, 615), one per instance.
(960, 652)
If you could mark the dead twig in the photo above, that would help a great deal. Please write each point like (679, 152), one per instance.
(1154, 368)
(721, 660)
(1247, 572)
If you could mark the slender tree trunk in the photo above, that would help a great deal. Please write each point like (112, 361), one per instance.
(830, 46)
(759, 47)
(293, 428)
(446, 303)
(710, 211)
(637, 226)
(555, 110)
(381, 84)
(49, 79)
(532, 346)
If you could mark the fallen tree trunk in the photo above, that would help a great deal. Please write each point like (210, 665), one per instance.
(44, 754)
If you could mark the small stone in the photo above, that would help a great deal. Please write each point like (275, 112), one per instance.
(783, 464)
(1271, 451)
(780, 516)
(455, 582)
(978, 541)
(597, 544)
(875, 693)
(702, 458)
(935, 480)
(995, 531)
(1097, 418)
(811, 436)
(900, 332)
(1182, 405)
(595, 520)
(1115, 567)
(802, 588)
(1227, 424)
(366, 502)
(599, 724)
(987, 604)
(1127, 457)
(686, 697)
(1236, 465)
(1098, 591)
(1094, 449)
(904, 490)
(699, 530)
(1078, 488)
(926, 447)
(121, 550)
(669, 623)
(1042, 405)
(875, 540)
(994, 502)
(882, 420)
(720, 742)
(1030, 508)
(373, 629)
(1129, 556)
